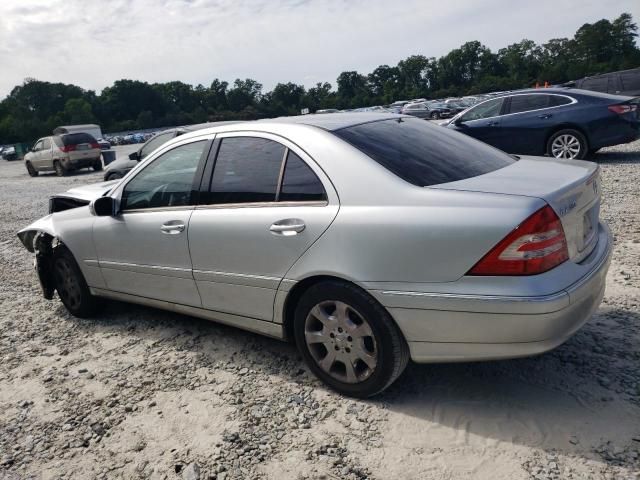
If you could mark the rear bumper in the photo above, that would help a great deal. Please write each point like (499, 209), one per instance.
(71, 164)
(443, 328)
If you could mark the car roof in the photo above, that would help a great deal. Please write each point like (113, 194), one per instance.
(564, 91)
(334, 121)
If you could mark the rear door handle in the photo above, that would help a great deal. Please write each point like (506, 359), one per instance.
(287, 227)
(492, 124)
(173, 227)
(546, 115)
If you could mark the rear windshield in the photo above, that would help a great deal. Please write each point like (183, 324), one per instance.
(77, 138)
(424, 154)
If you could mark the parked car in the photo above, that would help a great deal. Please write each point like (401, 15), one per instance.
(559, 122)
(63, 153)
(121, 167)
(9, 153)
(103, 144)
(433, 111)
(396, 107)
(624, 82)
(280, 227)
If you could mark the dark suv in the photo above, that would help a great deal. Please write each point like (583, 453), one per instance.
(624, 82)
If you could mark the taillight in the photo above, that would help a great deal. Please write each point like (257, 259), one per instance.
(535, 246)
(95, 145)
(68, 148)
(623, 108)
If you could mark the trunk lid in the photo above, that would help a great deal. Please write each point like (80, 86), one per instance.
(570, 187)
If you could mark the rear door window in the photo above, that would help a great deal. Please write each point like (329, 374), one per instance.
(46, 144)
(557, 100)
(299, 183)
(424, 154)
(526, 103)
(246, 170)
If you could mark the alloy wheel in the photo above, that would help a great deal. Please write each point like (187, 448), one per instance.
(565, 146)
(67, 283)
(341, 341)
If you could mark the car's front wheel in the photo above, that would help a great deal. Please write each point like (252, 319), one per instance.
(31, 170)
(113, 176)
(567, 144)
(348, 339)
(71, 285)
(435, 116)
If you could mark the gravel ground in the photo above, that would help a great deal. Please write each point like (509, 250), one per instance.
(140, 393)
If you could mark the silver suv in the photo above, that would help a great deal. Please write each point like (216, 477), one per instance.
(62, 153)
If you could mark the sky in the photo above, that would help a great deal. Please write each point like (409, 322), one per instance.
(92, 43)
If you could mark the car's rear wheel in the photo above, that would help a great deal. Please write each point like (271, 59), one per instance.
(113, 176)
(435, 116)
(60, 170)
(31, 170)
(348, 339)
(71, 285)
(567, 144)
(97, 165)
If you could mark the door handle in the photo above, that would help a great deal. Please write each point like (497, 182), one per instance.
(172, 228)
(546, 115)
(492, 124)
(287, 227)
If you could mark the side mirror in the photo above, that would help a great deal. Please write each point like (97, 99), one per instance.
(103, 207)
(134, 156)
(458, 122)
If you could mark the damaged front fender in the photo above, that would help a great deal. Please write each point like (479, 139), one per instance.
(39, 238)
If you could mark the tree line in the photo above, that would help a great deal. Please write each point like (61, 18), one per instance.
(34, 108)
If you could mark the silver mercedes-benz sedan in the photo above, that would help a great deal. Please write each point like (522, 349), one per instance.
(367, 238)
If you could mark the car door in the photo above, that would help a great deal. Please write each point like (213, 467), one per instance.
(46, 154)
(143, 250)
(267, 202)
(35, 157)
(483, 122)
(528, 121)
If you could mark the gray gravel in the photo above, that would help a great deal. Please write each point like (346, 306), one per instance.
(141, 393)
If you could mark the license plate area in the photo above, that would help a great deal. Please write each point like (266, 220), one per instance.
(589, 226)
(83, 146)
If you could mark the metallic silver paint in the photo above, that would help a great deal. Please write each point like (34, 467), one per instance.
(409, 247)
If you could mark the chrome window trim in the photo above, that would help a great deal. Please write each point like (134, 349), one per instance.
(573, 101)
(215, 206)
(157, 209)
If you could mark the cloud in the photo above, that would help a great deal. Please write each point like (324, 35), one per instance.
(92, 43)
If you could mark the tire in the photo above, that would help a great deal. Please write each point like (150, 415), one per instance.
(369, 334)
(567, 144)
(71, 285)
(97, 165)
(31, 170)
(60, 170)
(435, 116)
(113, 176)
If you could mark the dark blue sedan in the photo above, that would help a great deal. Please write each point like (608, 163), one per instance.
(559, 122)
